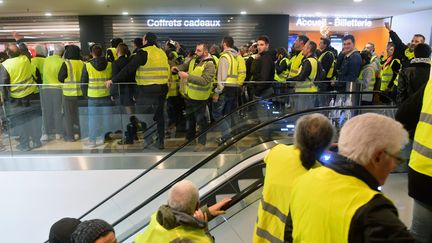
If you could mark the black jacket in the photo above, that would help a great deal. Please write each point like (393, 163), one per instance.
(400, 48)
(264, 72)
(377, 220)
(412, 78)
(328, 59)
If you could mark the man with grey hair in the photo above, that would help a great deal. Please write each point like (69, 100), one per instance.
(51, 95)
(342, 202)
(313, 134)
(181, 219)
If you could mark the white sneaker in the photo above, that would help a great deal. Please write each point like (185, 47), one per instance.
(58, 136)
(90, 144)
(76, 136)
(44, 138)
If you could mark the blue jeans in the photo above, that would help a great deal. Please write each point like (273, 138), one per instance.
(421, 227)
(99, 115)
(223, 106)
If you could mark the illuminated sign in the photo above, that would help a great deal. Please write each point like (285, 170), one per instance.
(337, 22)
(183, 23)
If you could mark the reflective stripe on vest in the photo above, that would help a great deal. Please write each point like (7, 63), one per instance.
(284, 75)
(421, 155)
(96, 85)
(156, 233)
(307, 85)
(283, 167)
(72, 85)
(323, 203)
(20, 73)
(387, 74)
(409, 54)
(194, 91)
(371, 84)
(330, 72)
(38, 63)
(52, 66)
(156, 70)
(113, 51)
(232, 79)
(296, 62)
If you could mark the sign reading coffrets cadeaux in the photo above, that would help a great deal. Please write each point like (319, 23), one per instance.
(183, 23)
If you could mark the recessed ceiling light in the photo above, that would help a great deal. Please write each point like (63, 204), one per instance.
(243, 12)
(125, 13)
(101, 0)
(1, 1)
(357, 1)
(48, 14)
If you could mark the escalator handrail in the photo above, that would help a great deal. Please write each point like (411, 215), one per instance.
(234, 200)
(231, 142)
(215, 124)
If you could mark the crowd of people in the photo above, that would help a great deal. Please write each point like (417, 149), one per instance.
(197, 87)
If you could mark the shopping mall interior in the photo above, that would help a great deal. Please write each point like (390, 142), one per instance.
(124, 182)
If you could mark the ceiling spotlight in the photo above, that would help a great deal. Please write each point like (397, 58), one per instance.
(48, 14)
(125, 13)
(101, 0)
(1, 1)
(243, 12)
(357, 1)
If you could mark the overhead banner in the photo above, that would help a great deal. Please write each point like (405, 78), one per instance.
(183, 23)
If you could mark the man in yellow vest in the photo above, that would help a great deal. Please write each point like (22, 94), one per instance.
(342, 202)
(415, 113)
(230, 77)
(152, 71)
(70, 74)
(389, 72)
(175, 101)
(51, 95)
(111, 53)
(38, 62)
(313, 134)
(196, 85)
(94, 75)
(404, 52)
(181, 220)
(328, 61)
(17, 71)
(367, 77)
(308, 72)
(297, 57)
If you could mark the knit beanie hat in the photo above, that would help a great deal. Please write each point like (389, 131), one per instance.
(422, 51)
(91, 230)
(61, 230)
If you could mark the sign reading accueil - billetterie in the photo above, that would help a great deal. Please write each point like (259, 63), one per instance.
(337, 22)
(183, 23)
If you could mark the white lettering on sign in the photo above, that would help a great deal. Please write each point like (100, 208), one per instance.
(183, 23)
(340, 22)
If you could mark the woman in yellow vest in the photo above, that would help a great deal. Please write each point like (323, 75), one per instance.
(313, 134)
(341, 201)
(70, 74)
(94, 74)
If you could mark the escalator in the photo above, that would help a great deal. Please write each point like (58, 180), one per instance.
(228, 179)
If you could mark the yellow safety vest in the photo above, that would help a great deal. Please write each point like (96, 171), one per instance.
(307, 85)
(283, 166)
(72, 83)
(156, 70)
(409, 54)
(156, 233)
(323, 203)
(232, 79)
(331, 70)
(38, 63)
(387, 74)
(216, 59)
(96, 85)
(284, 75)
(296, 62)
(20, 72)
(241, 70)
(173, 85)
(371, 85)
(51, 70)
(421, 155)
(113, 51)
(193, 91)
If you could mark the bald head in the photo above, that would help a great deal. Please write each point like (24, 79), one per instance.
(183, 197)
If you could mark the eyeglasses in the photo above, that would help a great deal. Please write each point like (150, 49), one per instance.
(399, 160)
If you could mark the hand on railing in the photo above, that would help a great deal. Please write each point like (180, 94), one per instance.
(216, 209)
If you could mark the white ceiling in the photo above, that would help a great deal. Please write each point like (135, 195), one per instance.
(371, 8)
